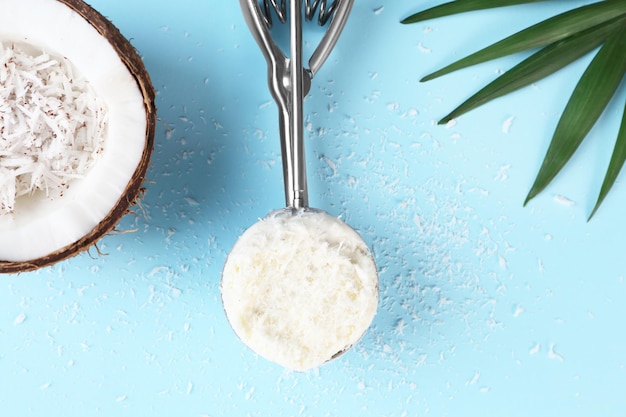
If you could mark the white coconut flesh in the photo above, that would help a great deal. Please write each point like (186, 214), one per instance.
(52, 218)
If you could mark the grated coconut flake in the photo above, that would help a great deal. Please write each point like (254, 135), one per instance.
(52, 124)
(299, 289)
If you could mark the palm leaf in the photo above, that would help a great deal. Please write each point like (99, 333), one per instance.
(564, 38)
(543, 33)
(455, 7)
(589, 99)
(615, 165)
(539, 65)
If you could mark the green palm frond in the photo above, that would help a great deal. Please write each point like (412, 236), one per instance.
(591, 95)
(456, 7)
(615, 165)
(560, 40)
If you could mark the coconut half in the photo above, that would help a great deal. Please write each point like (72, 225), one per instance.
(49, 225)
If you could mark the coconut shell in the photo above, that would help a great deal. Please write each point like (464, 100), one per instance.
(131, 59)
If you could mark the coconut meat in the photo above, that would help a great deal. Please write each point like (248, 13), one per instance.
(39, 225)
(52, 125)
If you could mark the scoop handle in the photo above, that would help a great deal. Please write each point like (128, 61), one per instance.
(297, 195)
(289, 82)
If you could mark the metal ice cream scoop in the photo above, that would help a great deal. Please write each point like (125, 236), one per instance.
(289, 82)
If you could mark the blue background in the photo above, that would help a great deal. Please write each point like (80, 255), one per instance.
(487, 308)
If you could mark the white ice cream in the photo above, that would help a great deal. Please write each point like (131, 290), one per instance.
(300, 288)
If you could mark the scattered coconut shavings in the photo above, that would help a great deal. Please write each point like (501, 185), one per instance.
(52, 124)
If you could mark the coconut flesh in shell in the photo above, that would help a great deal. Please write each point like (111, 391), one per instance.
(77, 123)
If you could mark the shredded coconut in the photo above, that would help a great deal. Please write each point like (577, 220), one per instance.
(52, 124)
(299, 288)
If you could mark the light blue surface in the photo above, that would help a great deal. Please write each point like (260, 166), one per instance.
(487, 308)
